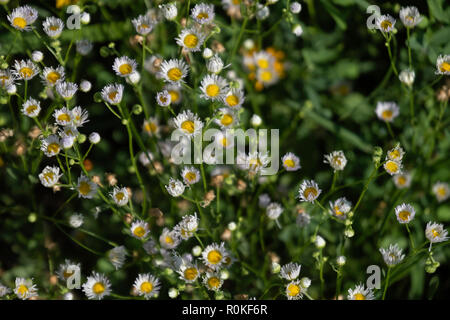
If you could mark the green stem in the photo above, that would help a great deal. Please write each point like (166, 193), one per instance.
(386, 283)
(411, 239)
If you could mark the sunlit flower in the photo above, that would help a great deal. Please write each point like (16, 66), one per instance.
(151, 126)
(435, 232)
(294, 290)
(291, 162)
(187, 226)
(234, 98)
(393, 167)
(97, 286)
(405, 213)
(120, 196)
(189, 123)
(53, 27)
(274, 210)
(51, 76)
(392, 255)
(441, 190)
(190, 175)
(360, 293)
(212, 281)
(190, 39)
(213, 87)
(67, 269)
(387, 111)
(340, 208)
(63, 116)
(173, 71)
(86, 188)
(143, 24)
(188, 271)
(309, 191)
(410, 16)
(147, 285)
(396, 154)
(443, 64)
(66, 89)
(49, 176)
(407, 77)
(175, 187)
(139, 229)
(402, 179)
(336, 160)
(51, 145)
(25, 70)
(163, 98)
(203, 13)
(124, 66)
(117, 256)
(227, 118)
(290, 271)
(175, 93)
(23, 17)
(25, 289)
(7, 78)
(113, 93)
(169, 239)
(31, 108)
(385, 23)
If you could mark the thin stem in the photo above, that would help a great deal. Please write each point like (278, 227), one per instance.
(366, 186)
(394, 68)
(386, 283)
(409, 48)
(411, 239)
(388, 125)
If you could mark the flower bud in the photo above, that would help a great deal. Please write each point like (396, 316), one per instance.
(37, 56)
(94, 138)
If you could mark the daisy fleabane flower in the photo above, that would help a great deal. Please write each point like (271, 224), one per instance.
(387, 111)
(393, 167)
(336, 160)
(256, 162)
(67, 269)
(396, 154)
(441, 190)
(97, 286)
(117, 256)
(66, 89)
(227, 118)
(234, 98)
(405, 213)
(124, 66)
(188, 271)
(169, 11)
(31, 108)
(7, 79)
(213, 87)
(4, 290)
(290, 271)
(163, 98)
(203, 13)
(392, 255)
(50, 76)
(169, 239)
(435, 232)
(63, 116)
(53, 27)
(340, 208)
(189, 123)
(309, 191)
(120, 196)
(76, 220)
(294, 290)
(146, 285)
(151, 126)
(214, 255)
(139, 229)
(173, 71)
(443, 64)
(79, 116)
(402, 180)
(291, 162)
(23, 17)
(175, 187)
(191, 175)
(143, 24)
(49, 176)
(112, 93)
(86, 188)
(212, 281)
(274, 210)
(25, 289)
(410, 16)
(187, 226)
(51, 146)
(25, 69)
(190, 40)
(385, 23)
(360, 293)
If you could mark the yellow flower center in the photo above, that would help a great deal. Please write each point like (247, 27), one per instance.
(232, 100)
(64, 117)
(266, 76)
(168, 240)
(190, 41)
(359, 296)
(435, 233)
(98, 288)
(53, 148)
(53, 28)
(125, 69)
(310, 192)
(391, 166)
(395, 154)
(146, 287)
(401, 180)
(289, 163)
(203, 15)
(20, 22)
(26, 72)
(190, 273)
(214, 282)
(23, 290)
(150, 127)
(236, 2)
(120, 196)
(139, 232)
(31, 109)
(293, 290)
(112, 95)
(337, 211)
(212, 90)
(255, 162)
(188, 126)
(174, 74)
(386, 114)
(190, 176)
(214, 256)
(67, 274)
(53, 76)
(404, 215)
(224, 142)
(386, 24)
(48, 176)
(84, 188)
(441, 191)
(174, 96)
(226, 120)
(263, 63)
(445, 67)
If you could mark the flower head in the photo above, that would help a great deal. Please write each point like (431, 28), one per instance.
(387, 111)
(23, 17)
(360, 293)
(25, 289)
(147, 285)
(410, 16)
(309, 191)
(443, 64)
(392, 255)
(291, 162)
(97, 286)
(124, 66)
(435, 232)
(290, 271)
(336, 160)
(441, 190)
(385, 23)
(405, 213)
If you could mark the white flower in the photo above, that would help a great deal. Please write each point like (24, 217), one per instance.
(37, 56)
(25, 288)
(124, 66)
(53, 27)
(274, 210)
(227, 118)
(117, 256)
(49, 176)
(213, 87)
(214, 255)
(319, 242)
(145, 158)
(297, 30)
(340, 208)
(23, 17)
(290, 271)
(51, 145)
(359, 293)
(84, 47)
(169, 239)
(435, 232)
(392, 167)
(66, 89)
(163, 98)
(405, 213)
(303, 219)
(262, 12)
(395, 154)
(86, 188)
(407, 77)
(63, 116)
(190, 39)
(385, 23)
(85, 18)
(4, 290)
(85, 86)
(175, 93)
(175, 187)
(146, 285)
(212, 281)
(341, 260)
(291, 162)
(214, 64)
(67, 269)
(50, 76)
(189, 123)
(143, 24)
(207, 53)
(120, 196)
(234, 98)
(203, 13)
(441, 190)
(188, 271)
(173, 71)
(25, 69)
(443, 64)
(255, 162)
(294, 290)
(169, 11)
(336, 160)
(190, 175)
(7, 78)
(402, 179)
(79, 116)
(97, 286)
(112, 93)
(387, 111)
(31, 108)
(134, 78)
(410, 16)
(139, 229)
(295, 7)
(76, 220)
(187, 226)
(392, 255)
(309, 191)
(150, 247)
(94, 138)
(255, 120)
